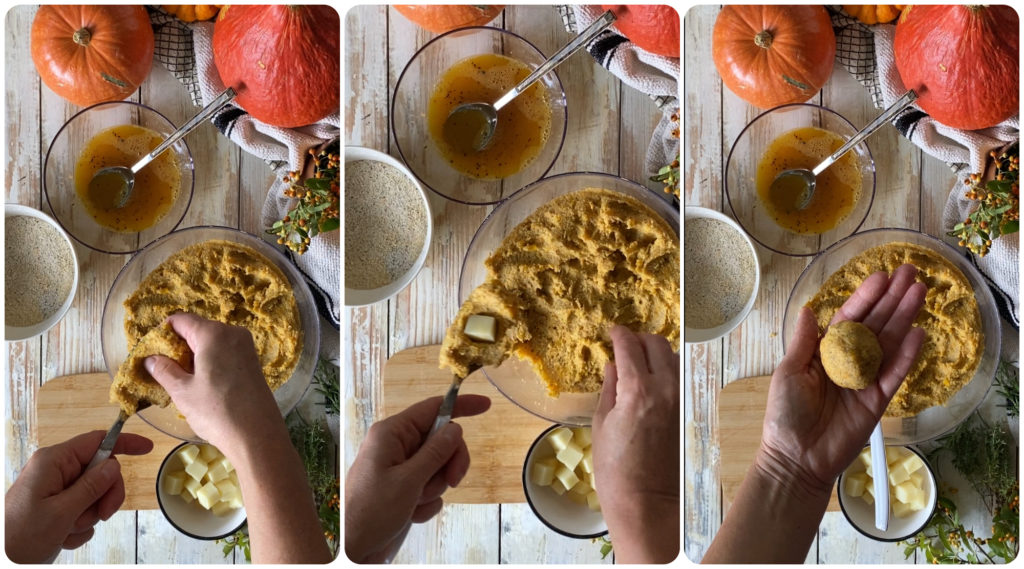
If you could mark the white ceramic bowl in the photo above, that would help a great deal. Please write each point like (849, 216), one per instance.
(558, 512)
(15, 333)
(861, 515)
(355, 297)
(697, 335)
(191, 519)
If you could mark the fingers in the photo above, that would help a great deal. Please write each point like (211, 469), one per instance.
(802, 347)
(421, 415)
(424, 512)
(190, 327)
(902, 317)
(167, 372)
(661, 360)
(606, 400)
(458, 466)
(863, 299)
(902, 279)
(895, 369)
(131, 444)
(90, 487)
(111, 502)
(434, 454)
(76, 540)
(630, 356)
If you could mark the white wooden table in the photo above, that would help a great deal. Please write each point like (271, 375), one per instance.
(609, 128)
(911, 190)
(229, 190)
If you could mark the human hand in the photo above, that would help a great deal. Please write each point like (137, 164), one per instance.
(226, 400)
(397, 477)
(813, 429)
(53, 505)
(636, 448)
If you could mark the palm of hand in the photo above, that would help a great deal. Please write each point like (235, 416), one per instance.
(812, 425)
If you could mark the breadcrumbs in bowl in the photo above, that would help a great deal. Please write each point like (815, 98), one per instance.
(388, 226)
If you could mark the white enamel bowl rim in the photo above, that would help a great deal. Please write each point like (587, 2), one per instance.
(191, 519)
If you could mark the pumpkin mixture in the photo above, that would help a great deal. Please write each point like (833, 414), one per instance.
(218, 280)
(954, 340)
(523, 125)
(559, 281)
(156, 186)
(837, 189)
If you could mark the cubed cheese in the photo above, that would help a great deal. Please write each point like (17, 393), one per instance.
(209, 453)
(187, 497)
(592, 502)
(582, 487)
(481, 327)
(567, 477)
(197, 469)
(901, 510)
(906, 492)
(581, 436)
(570, 456)
(917, 478)
(222, 508)
(544, 471)
(892, 454)
(557, 486)
(591, 480)
(236, 502)
(174, 482)
(587, 462)
(897, 476)
(577, 497)
(217, 472)
(559, 437)
(191, 486)
(854, 484)
(911, 464)
(227, 490)
(208, 495)
(187, 454)
(865, 458)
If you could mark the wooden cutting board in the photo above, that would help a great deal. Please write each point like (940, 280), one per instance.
(497, 440)
(74, 404)
(740, 416)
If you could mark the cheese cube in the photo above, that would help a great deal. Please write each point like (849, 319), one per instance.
(865, 458)
(217, 472)
(222, 509)
(227, 490)
(234, 477)
(236, 502)
(559, 437)
(582, 487)
(191, 486)
(567, 477)
(867, 497)
(209, 453)
(901, 510)
(919, 502)
(577, 497)
(587, 462)
(197, 469)
(188, 453)
(592, 502)
(557, 486)
(570, 456)
(544, 471)
(481, 327)
(918, 479)
(906, 492)
(174, 482)
(591, 479)
(189, 498)
(208, 495)
(581, 436)
(897, 475)
(892, 454)
(911, 464)
(854, 484)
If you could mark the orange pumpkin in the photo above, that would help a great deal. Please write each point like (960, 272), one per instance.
(651, 28)
(871, 14)
(440, 18)
(284, 61)
(193, 12)
(963, 61)
(773, 55)
(92, 54)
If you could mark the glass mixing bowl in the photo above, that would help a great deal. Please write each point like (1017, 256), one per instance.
(933, 421)
(115, 345)
(515, 378)
(59, 176)
(412, 96)
(741, 176)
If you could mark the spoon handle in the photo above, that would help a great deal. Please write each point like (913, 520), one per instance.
(588, 34)
(186, 128)
(880, 476)
(867, 131)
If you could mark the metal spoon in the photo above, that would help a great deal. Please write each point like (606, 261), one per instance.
(802, 182)
(482, 118)
(112, 186)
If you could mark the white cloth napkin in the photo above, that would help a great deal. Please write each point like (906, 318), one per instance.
(867, 53)
(186, 50)
(655, 75)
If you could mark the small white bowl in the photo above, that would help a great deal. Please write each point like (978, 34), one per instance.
(15, 333)
(356, 297)
(558, 512)
(697, 335)
(191, 519)
(861, 515)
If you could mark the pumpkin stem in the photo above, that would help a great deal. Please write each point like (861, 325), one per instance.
(763, 39)
(82, 37)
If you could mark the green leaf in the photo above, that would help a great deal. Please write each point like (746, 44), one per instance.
(322, 184)
(330, 224)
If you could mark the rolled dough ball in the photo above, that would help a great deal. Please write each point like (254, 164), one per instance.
(851, 354)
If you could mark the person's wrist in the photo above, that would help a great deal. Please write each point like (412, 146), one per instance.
(788, 476)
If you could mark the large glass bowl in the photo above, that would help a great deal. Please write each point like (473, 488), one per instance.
(412, 96)
(515, 378)
(741, 176)
(933, 421)
(115, 344)
(59, 176)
